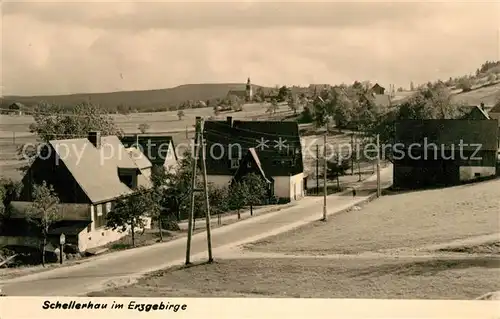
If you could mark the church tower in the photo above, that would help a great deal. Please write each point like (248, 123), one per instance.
(249, 92)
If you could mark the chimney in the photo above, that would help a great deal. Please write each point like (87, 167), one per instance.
(95, 138)
(230, 120)
(482, 106)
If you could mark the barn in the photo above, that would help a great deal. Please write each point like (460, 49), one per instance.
(434, 153)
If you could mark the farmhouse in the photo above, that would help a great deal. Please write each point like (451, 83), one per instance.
(494, 113)
(88, 175)
(270, 147)
(431, 153)
(158, 149)
(477, 113)
(377, 89)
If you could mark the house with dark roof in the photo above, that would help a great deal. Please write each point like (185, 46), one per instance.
(270, 148)
(477, 113)
(88, 175)
(430, 153)
(158, 149)
(377, 89)
(494, 113)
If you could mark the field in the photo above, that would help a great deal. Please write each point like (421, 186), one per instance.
(437, 244)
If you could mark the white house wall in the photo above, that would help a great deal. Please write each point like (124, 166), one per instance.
(96, 237)
(467, 173)
(170, 161)
(297, 186)
(282, 186)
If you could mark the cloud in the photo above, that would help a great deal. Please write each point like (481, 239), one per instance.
(133, 16)
(58, 48)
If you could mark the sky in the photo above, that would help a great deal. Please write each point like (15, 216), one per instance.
(63, 47)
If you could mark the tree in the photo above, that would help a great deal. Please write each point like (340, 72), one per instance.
(44, 212)
(238, 194)
(159, 180)
(144, 127)
(283, 93)
(337, 167)
(293, 103)
(257, 190)
(180, 114)
(53, 122)
(465, 84)
(129, 212)
(218, 199)
(273, 107)
(259, 95)
(177, 190)
(9, 190)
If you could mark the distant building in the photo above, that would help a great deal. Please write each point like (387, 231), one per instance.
(158, 149)
(477, 113)
(377, 89)
(494, 113)
(246, 95)
(270, 148)
(443, 152)
(16, 108)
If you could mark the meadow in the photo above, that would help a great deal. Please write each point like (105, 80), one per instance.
(434, 244)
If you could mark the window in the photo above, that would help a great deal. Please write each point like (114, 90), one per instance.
(235, 163)
(249, 164)
(100, 220)
(108, 207)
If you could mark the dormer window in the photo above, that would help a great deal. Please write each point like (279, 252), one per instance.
(235, 163)
(128, 176)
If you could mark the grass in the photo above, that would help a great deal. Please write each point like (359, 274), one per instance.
(322, 278)
(408, 220)
(347, 256)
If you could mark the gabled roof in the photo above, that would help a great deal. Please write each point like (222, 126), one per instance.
(225, 140)
(139, 158)
(252, 155)
(478, 110)
(154, 147)
(496, 108)
(377, 86)
(96, 170)
(445, 133)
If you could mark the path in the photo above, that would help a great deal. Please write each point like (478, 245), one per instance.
(124, 266)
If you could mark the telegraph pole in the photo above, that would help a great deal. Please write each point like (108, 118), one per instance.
(193, 189)
(379, 191)
(205, 189)
(352, 157)
(317, 169)
(324, 176)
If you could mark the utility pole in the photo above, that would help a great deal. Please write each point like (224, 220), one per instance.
(324, 176)
(352, 156)
(205, 189)
(379, 191)
(193, 189)
(317, 169)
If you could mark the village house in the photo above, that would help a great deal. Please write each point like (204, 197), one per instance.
(270, 148)
(377, 89)
(158, 149)
(443, 152)
(88, 175)
(494, 113)
(477, 113)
